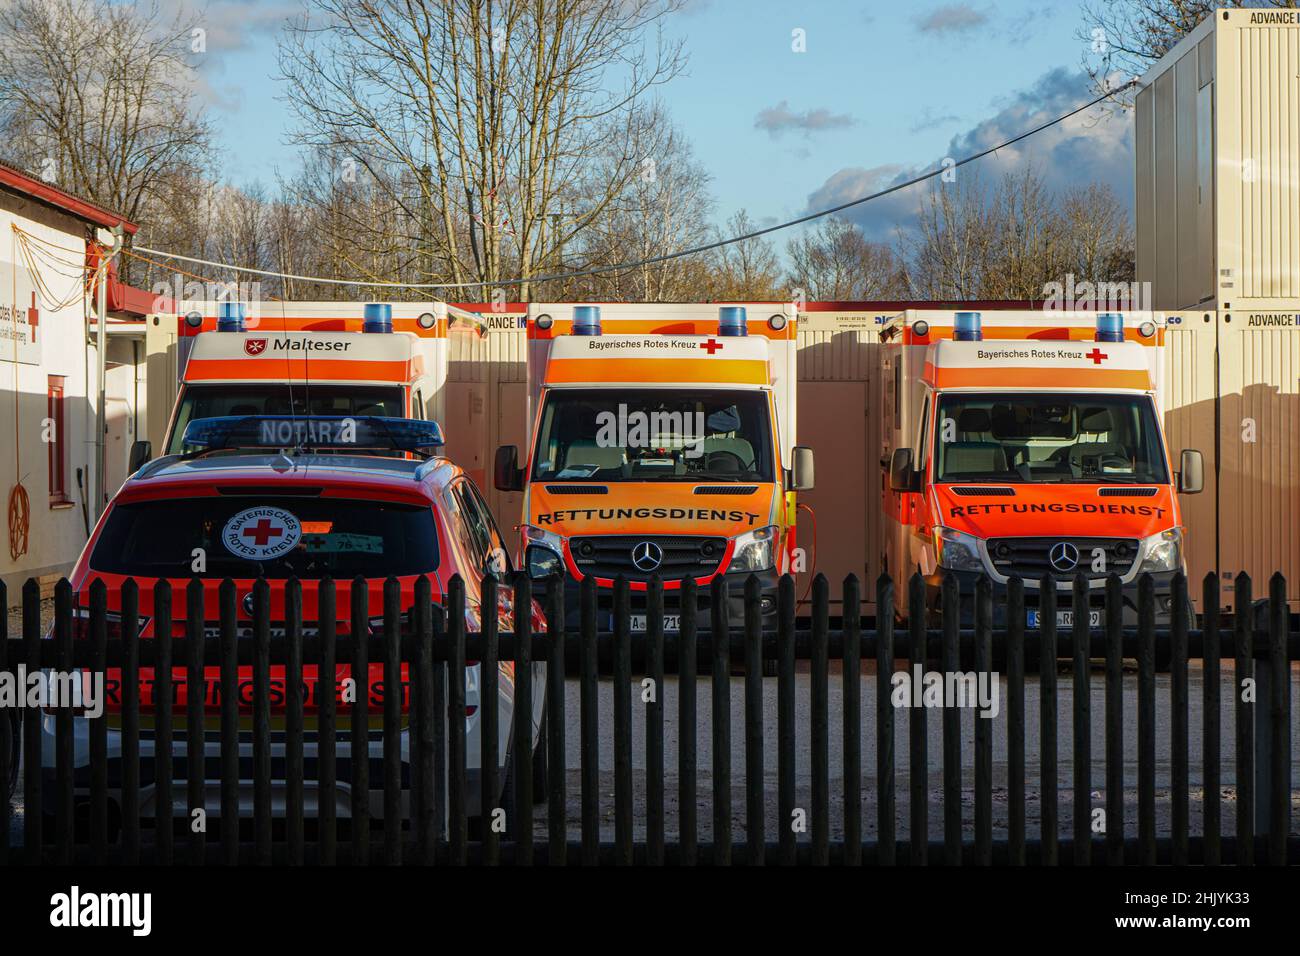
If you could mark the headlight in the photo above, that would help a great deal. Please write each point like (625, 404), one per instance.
(1163, 551)
(543, 555)
(754, 550)
(957, 550)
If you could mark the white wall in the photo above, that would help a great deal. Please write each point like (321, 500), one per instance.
(56, 532)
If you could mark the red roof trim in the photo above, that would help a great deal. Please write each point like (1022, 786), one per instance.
(53, 196)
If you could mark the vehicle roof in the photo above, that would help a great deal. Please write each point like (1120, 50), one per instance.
(406, 477)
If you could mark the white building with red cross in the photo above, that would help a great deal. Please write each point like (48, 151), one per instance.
(48, 369)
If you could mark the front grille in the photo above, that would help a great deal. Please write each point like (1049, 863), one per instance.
(607, 556)
(1126, 492)
(1031, 557)
(726, 489)
(980, 491)
(577, 490)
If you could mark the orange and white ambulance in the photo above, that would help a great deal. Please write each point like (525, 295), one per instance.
(308, 358)
(1030, 444)
(661, 442)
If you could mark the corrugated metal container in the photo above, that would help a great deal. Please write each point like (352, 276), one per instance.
(839, 520)
(1191, 395)
(1259, 448)
(486, 397)
(1217, 138)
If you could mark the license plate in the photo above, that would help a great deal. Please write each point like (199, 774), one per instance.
(1066, 619)
(672, 623)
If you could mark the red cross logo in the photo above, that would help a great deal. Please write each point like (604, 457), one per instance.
(262, 532)
(1096, 355)
(254, 346)
(33, 318)
(711, 346)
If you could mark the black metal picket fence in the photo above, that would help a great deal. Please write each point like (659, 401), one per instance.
(80, 812)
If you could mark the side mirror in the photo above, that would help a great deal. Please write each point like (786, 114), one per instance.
(506, 474)
(1191, 472)
(902, 477)
(141, 453)
(802, 473)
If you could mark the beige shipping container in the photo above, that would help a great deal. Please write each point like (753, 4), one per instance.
(1259, 449)
(1217, 138)
(1190, 421)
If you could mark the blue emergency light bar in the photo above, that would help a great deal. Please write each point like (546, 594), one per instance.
(230, 317)
(1110, 327)
(586, 320)
(377, 317)
(317, 432)
(966, 327)
(732, 320)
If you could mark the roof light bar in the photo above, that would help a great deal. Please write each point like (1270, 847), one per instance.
(377, 317)
(586, 320)
(230, 317)
(1110, 327)
(732, 320)
(966, 327)
(343, 433)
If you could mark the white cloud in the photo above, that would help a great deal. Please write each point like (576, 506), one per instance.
(779, 119)
(1095, 146)
(952, 18)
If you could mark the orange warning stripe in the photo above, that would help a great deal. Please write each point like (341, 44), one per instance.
(729, 371)
(1037, 378)
(278, 369)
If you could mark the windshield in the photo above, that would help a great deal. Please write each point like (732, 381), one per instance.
(270, 536)
(1087, 439)
(213, 401)
(654, 435)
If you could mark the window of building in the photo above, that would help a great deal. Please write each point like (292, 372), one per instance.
(56, 440)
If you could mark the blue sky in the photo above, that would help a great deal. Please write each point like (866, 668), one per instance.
(882, 91)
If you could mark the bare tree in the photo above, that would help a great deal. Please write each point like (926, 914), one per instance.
(475, 119)
(835, 261)
(99, 97)
(1013, 240)
(1125, 37)
(748, 269)
(665, 207)
(949, 250)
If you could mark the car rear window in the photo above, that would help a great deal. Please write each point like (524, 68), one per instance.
(273, 537)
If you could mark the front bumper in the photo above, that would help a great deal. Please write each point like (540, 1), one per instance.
(967, 581)
(768, 582)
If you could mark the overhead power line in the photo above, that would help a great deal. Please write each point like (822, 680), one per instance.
(681, 253)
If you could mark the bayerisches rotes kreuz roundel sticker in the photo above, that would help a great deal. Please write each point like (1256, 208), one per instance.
(261, 534)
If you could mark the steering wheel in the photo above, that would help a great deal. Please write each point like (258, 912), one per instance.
(713, 456)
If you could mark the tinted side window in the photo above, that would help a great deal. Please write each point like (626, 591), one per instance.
(496, 539)
(477, 536)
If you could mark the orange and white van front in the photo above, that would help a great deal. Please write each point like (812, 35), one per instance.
(307, 358)
(661, 443)
(1030, 445)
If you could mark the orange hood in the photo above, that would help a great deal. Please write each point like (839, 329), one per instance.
(651, 508)
(1056, 510)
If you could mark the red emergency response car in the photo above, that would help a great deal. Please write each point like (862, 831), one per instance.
(298, 498)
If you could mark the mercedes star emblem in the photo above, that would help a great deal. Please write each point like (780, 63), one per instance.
(647, 556)
(1064, 556)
